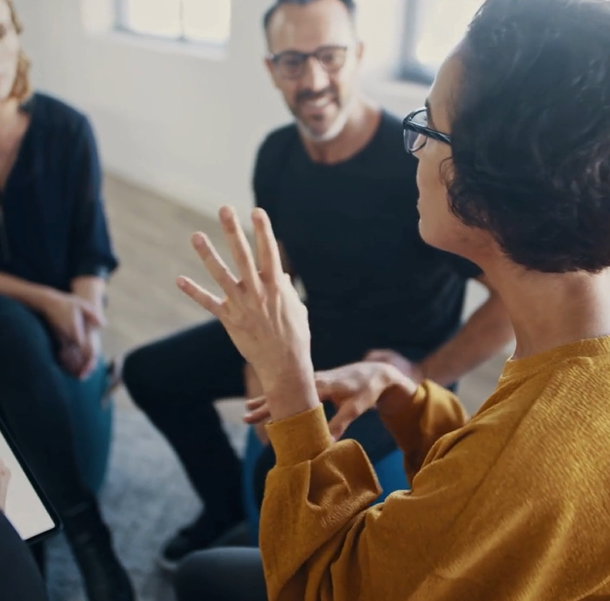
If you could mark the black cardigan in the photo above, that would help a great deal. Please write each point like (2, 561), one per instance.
(52, 222)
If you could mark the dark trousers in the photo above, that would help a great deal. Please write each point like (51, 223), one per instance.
(230, 574)
(175, 381)
(19, 577)
(33, 404)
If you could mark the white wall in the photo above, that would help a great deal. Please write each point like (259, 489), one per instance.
(185, 126)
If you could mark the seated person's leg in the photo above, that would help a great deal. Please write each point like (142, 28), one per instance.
(229, 574)
(175, 381)
(33, 404)
(19, 576)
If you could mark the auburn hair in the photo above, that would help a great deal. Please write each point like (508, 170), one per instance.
(22, 88)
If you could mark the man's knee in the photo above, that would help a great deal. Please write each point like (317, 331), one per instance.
(137, 375)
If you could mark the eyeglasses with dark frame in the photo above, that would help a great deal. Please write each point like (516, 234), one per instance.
(291, 64)
(416, 131)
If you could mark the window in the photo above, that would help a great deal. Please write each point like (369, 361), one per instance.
(431, 29)
(199, 21)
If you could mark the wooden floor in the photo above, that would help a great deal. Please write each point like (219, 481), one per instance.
(151, 236)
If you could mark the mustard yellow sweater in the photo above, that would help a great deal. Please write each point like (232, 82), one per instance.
(513, 505)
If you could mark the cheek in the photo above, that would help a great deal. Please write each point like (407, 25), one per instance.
(432, 190)
(435, 217)
(289, 92)
(344, 82)
(10, 54)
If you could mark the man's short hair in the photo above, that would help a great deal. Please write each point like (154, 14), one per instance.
(349, 4)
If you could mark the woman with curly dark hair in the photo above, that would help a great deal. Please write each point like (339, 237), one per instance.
(514, 174)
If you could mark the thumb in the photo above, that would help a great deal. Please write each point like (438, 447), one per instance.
(341, 421)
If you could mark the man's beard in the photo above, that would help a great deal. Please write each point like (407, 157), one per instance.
(336, 127)
(331, 133)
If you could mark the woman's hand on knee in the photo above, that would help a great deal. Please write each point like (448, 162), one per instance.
(76, 323)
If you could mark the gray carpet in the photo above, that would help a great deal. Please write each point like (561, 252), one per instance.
(146, 498)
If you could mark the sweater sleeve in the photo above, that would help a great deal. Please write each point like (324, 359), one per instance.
(433, 412)
(320, 537)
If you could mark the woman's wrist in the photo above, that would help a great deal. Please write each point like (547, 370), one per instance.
(291, 394)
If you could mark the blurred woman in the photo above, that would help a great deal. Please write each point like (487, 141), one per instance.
(514, 174)
(55, 254)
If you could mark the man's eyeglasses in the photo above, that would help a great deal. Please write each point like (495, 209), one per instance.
(417, 132)
(291, 64)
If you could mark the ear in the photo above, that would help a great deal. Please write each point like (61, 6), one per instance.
(360, 51)
(271, 69)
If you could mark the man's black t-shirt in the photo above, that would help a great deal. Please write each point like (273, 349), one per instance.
(351, 234)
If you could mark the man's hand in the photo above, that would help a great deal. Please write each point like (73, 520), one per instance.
(5, 477)
(402, 364)
(353, 389)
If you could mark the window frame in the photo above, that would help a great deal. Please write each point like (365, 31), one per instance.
(121, 26)
(411, 69)
(413, 28)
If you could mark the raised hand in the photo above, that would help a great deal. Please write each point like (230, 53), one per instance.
(261, 312)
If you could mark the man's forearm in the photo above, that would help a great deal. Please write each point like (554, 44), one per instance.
(486, 333)
(33, 295)
(91, 289)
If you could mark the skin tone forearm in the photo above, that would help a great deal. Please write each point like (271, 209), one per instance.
(34, 296)
(486, 332)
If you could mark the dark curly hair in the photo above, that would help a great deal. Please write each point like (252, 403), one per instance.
(531, 132)
(349, 4)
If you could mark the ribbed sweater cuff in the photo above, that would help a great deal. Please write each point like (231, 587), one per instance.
(300, 438)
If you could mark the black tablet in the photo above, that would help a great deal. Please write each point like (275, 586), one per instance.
(21, 498)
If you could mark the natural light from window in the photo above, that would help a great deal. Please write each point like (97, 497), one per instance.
(443, 24)
(207, 21)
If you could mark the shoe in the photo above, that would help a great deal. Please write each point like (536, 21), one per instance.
(104, 577)
(202, 534)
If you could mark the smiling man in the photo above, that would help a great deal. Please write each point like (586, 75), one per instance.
(342, 196)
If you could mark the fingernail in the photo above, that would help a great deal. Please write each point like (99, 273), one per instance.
(226, 213)
(199, 239)
(181, 281)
